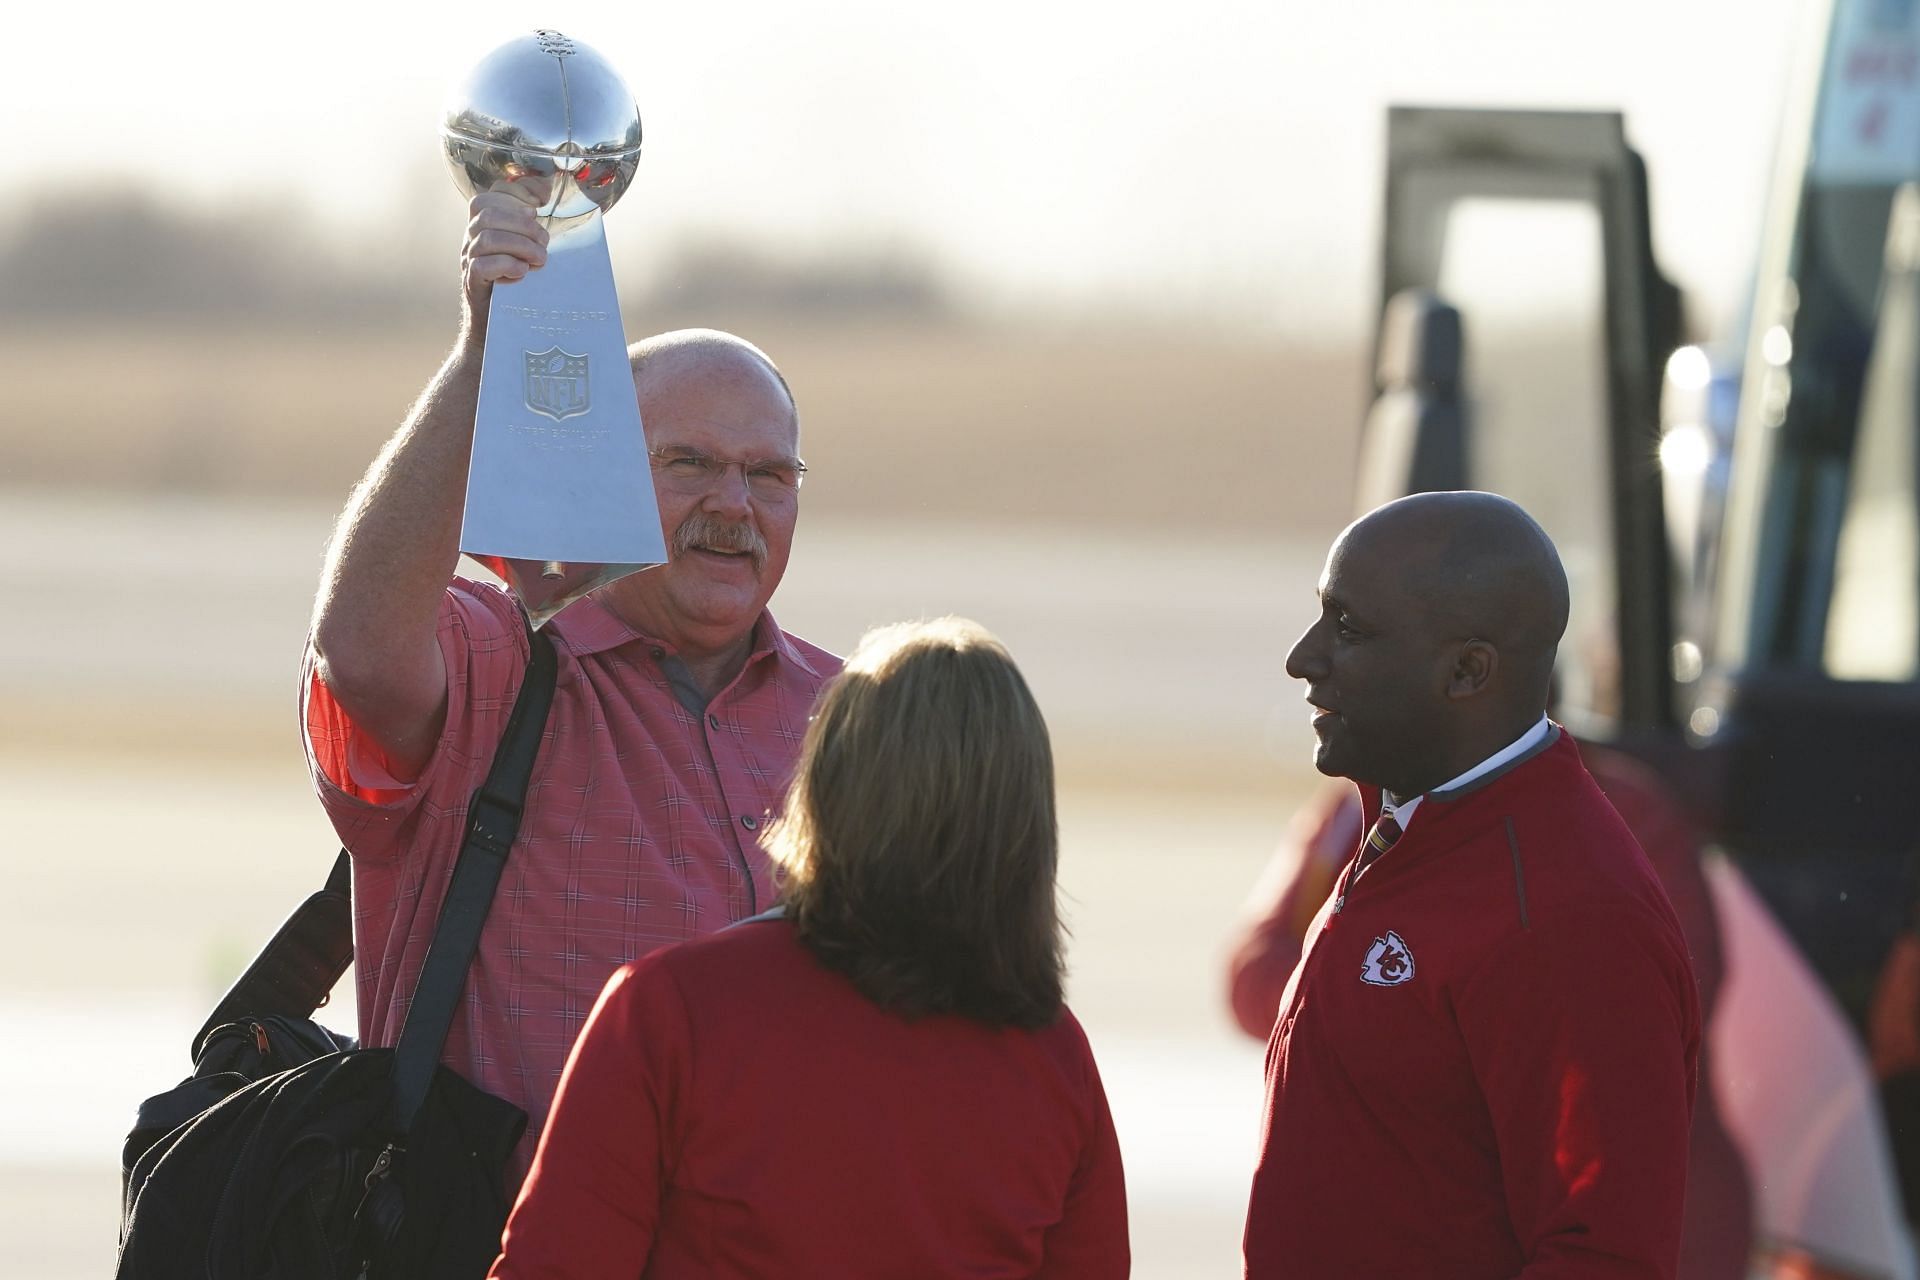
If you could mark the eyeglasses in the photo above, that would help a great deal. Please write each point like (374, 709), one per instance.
(690, 472)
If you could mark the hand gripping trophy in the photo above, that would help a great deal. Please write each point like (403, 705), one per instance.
(559, 493)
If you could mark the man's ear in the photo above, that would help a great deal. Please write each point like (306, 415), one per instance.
(1473, 669)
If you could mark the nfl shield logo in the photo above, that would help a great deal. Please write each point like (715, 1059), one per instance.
(556, 383)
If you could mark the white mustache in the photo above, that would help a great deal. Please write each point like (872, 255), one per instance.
(702, 530)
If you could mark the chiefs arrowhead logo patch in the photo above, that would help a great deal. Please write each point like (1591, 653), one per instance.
(1389, 962)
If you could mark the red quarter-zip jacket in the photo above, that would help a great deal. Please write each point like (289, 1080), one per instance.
(1484, 1065)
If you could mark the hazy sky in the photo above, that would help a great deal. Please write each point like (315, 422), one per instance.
(1201, 154)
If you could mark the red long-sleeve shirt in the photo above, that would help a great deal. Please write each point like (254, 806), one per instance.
(1484, 1067)
(734, 1109)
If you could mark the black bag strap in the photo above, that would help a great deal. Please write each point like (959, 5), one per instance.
(301, 962)
(493, 820)
(310, 951)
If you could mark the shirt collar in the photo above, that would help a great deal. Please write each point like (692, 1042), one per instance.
(1402, 812)
(769, 638)
(589, 626)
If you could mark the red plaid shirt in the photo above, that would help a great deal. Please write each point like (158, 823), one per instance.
(641, 826)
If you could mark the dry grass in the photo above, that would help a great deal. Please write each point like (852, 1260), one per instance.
(930, 421)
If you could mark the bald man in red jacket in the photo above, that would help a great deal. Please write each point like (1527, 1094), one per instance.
(1717, 1233)
(1484, 1064)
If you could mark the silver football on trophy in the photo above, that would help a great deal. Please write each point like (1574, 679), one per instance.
(560, 496)
(547, 118)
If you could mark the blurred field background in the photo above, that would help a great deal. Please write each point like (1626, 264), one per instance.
(1077, 313)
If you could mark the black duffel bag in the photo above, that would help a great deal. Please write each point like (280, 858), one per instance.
(290, 1153)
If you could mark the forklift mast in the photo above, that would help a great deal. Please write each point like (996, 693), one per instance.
(1525, 327)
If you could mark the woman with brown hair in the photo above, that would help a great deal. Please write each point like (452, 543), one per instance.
(878, 1078)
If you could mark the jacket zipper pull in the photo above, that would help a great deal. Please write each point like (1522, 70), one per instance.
(1345, 887)
(381, 1163)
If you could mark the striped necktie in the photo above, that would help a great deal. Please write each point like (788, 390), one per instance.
(1378, 841)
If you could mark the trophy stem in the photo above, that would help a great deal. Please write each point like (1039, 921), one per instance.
(541, 593)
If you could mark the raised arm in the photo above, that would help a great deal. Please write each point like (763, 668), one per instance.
(398, 541)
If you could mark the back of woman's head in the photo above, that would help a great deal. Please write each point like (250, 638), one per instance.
(919, 840)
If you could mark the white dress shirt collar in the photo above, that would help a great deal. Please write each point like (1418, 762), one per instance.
(1402, 810)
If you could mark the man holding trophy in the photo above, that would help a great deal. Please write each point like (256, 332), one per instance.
(679, 704)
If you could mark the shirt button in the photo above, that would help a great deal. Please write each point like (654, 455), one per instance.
(748, 821)
(714, 721)
(657, 652)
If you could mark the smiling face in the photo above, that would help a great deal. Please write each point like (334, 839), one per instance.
(727, 542)
(1377, 670)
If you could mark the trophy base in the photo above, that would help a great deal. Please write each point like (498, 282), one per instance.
(545, 587)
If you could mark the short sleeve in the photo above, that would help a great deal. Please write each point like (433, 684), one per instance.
(485, 650)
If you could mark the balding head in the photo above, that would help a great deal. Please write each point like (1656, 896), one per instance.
(1477, 566)
(704, 355)
(1440, 616)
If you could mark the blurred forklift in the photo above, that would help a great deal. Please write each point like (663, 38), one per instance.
(1742, 528)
